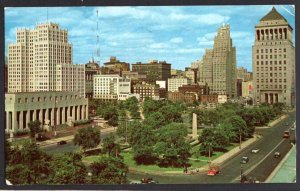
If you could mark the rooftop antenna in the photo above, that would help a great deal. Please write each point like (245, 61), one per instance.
(98, 47)
(47, 14)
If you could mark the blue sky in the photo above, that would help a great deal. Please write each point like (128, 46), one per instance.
(177, 34)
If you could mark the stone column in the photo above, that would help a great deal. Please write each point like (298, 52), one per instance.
(58, 116)
(63, 121)
(34, 115)
(78, 113)
(73, 113)
(27, 118)
(68, 113)
(52, 117)
(8, 121)
(46, 114)
(86, 112)
(21, 120)
(14, 121)
(82, 112)
(41, 117)
(194, 126)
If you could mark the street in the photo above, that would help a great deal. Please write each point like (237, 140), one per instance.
(258, 167)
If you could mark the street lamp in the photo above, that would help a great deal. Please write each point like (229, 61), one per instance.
(241, 173)
(209, 147)
(240, 131)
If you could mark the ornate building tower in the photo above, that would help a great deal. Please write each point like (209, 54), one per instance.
(273, 61)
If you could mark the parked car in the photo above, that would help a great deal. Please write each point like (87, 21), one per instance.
(136, 182)
(254, 150)
(62, 142)
(244, 160)
(277, 154)
(148, 181)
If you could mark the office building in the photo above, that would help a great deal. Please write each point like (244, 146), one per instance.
(219, 64)
(91, 69)
(274, 60)
(175, 83)
(114, 66)
(41, 60)
(154, 70)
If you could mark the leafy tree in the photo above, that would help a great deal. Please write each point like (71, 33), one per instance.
(30, 162)
(110, 147)
(142, 140)
(87, 138)
(155, 120)
(171, 113)
(35, 128)
(108, 170)
(238, 124)
(171, 144)
(68, 169)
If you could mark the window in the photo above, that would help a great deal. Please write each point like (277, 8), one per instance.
(19, 100)
(32, 99)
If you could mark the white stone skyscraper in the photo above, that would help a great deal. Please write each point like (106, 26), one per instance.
(219, 64)
(41, 60)
(274, 60)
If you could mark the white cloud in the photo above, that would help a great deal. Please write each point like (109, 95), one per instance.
(189, 50)
(158, 45)
(176, 40)
(207, 19)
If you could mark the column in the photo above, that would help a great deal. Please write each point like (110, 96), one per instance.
(58, 116)
(78, 112)
(27, 118)
(46, 115)
(34, 115)
(14, 121)
(21, 122)
(73, 113)
(82, 112)
(63, 121)
(52, 117)
(276, 96)
(41, 117)
(8, 121)
(68, 113)
(86, 112)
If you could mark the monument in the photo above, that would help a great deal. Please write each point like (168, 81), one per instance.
(194, 126)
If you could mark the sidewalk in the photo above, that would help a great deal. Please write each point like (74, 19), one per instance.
(285, 172)
(70, 137)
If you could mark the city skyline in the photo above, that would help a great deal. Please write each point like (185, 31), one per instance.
(186, 31)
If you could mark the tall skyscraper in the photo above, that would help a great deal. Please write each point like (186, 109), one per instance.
(274, 60)
(41, 60)
(219, 64)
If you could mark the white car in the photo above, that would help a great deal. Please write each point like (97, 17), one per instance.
(254, 150)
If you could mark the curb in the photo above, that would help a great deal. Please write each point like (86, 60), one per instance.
(273, 173)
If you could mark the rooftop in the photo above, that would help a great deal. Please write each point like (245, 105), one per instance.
(273, 15)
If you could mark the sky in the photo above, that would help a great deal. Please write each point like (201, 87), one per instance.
(176, 34)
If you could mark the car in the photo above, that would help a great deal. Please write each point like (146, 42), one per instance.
(277, 154)
(148, 180)
(62, 142)
(244, 160)
(136, 182)
(254, 150)
(213, 170)
(286, 135)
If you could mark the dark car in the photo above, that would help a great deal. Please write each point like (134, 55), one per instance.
(244, 160)
(61, 142)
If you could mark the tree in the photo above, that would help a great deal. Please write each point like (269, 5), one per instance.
(68, 169)
(142, 139)
(238, 125)
(87, 138)
(110, 147)
(28, 162)
(108, 170)
(171, 145)
(155, 120)
(34, 127)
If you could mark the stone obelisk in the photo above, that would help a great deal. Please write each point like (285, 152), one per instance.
(194, 126)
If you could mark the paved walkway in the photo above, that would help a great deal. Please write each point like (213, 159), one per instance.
(285, 172)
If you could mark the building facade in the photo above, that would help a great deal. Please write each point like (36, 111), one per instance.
(219, 64)
(154, 70)
(273, 60)
(24, 107)
(114, 66)
(247, 89)
(175, 83)
(108, 87)
(147, 90)
(36, 57)
(91, 69)
(187, 97)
